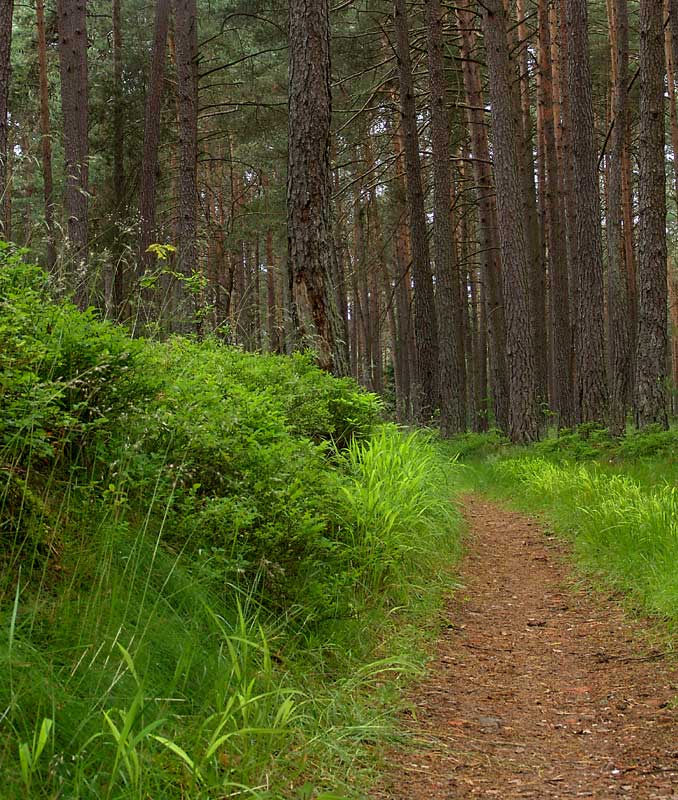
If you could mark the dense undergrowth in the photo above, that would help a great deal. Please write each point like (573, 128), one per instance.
(210, 562)
(616, 499)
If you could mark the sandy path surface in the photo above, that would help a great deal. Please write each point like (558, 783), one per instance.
(538, 688)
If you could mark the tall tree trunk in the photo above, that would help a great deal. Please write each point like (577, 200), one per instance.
(402, 284)
(673, 310)
(651, 356)
(45, 136)
(563, 131)
(118, 156)
(72, 20)
(6, 14)
(186, 35)
(523, 423)
(557, 248)
(378, 275)
(272, 317)
(618, 311)
(425, 324)
(452, 367)
(487, 219)
(533, 232)
(589, 337)
(149, 163)
(671, 42)
(309, 216)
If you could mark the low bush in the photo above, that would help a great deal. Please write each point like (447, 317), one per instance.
(476, 445)
(201, 553)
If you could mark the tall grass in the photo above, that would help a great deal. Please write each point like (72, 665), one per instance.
(623, 530)
(212, 564)
(396, 523)
(130, 675)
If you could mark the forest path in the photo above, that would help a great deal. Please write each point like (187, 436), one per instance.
(538, 688)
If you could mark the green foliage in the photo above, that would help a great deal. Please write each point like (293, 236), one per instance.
(393, 517)
(474, 445)
(653, 442)
(623, 531)
(66, 375)
(201, 549)
(586, 442)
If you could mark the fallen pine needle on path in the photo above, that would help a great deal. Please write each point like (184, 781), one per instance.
(538, 688)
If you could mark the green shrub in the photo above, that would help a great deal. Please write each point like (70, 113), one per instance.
(653, 442)
(66, 376)
(476, 445)
(204, 522)
(584, 443)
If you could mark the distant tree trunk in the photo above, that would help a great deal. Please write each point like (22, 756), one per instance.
(618, 310)
(149, 163)
(452, 367)
(425, 324)
(402, 280)
(186, 37)
(487, 219)
(560, 49)
(340, 264)
(118, 156)
(257, 296)
(533, 233)
(673, 107)
(309, 216)
(363, 342)
(72, 19)
(651, 356)
(6, 13)
(272, 317)
(45, 136)
(478, 336)
(673, 309)
(673, 29)
(378, 276)
(523, 423)
(589, 337)
(557, 246)
(672, 66)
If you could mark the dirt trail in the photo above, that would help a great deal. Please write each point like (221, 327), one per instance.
(538, 689)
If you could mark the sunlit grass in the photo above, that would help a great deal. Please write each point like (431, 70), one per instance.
(624, 528)
(128, 676)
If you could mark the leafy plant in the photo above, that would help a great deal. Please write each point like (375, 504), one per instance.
(29, 755)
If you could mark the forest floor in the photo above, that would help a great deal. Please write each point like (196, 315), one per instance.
(539, 686)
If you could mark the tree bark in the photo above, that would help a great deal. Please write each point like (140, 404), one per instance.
(559, 293)
(651, 355)
(6, 14)
(452, 367)
(533, 232)
(425, 323)
(402, 286)
(523, 423)
(118, 156)
(589, 338)
(618, 307)
(309, 218)
(186, 36)
(487, 221)
(45, 136)
(149, 163)
(72, 21)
